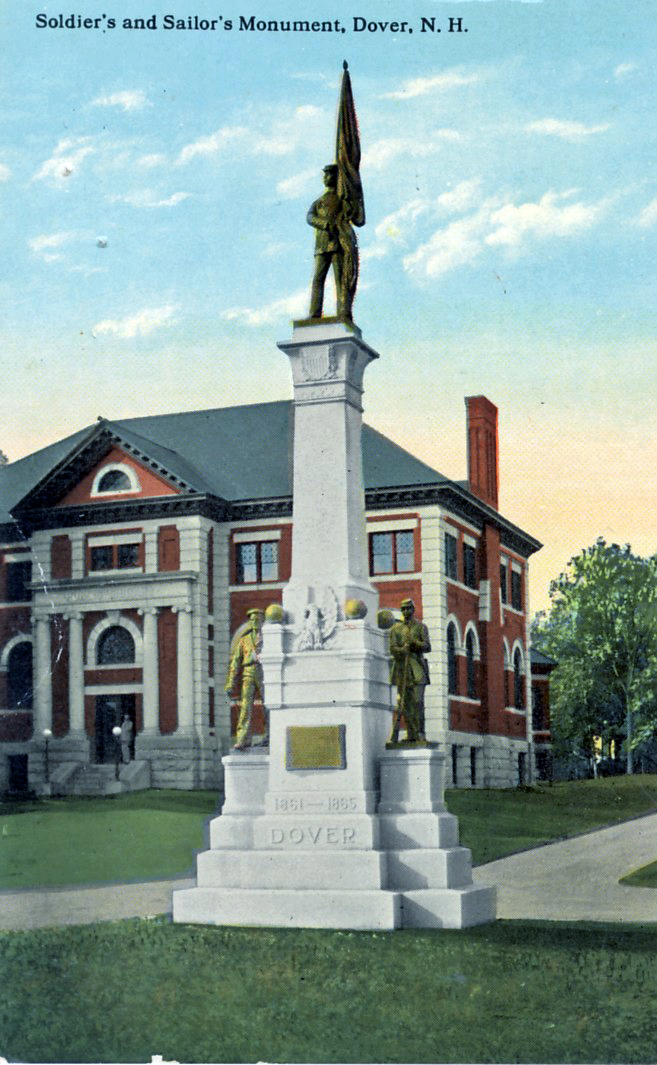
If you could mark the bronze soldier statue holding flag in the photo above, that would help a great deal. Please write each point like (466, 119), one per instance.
(334, 214)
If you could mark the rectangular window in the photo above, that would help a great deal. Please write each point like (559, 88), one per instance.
(522, 769)
(102, 558)
(473, 766)
(392, 552)
(114, 556)
(257, 562)
(516, 590)
(539, 715)
(128, 556)
(19, 575)
(469, 566)
(451, 564)
(504, 582)
(455, 765)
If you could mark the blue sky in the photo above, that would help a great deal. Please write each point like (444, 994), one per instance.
(155, 184)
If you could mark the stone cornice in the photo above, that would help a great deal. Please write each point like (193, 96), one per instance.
(169, 507)
(116, 578)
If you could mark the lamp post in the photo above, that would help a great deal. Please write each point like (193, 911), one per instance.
(116, 732)
(47, 735)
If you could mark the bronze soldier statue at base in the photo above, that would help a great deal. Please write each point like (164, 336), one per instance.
(409, 671)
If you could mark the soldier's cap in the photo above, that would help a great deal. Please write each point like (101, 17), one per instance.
(407, 602)
(331, 168)
(255, 610)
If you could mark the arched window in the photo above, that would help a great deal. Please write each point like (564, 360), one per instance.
(114, 481)
(19, 677)
(518, 685)
(452, 665)
(470, 665)
(115, 647)
(115, 478)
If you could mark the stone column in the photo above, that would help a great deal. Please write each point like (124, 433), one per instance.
(42, 672)
(151, 675)
(329, 546)
(75, 673)
(185, 669)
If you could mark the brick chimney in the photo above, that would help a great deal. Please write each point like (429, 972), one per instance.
(483, 463)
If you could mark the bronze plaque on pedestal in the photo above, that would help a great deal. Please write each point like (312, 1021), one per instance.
(315, 747)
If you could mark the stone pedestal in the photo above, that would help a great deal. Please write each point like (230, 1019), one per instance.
(316, 857)
(309, 835)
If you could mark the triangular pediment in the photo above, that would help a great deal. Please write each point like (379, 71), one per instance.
(118, 475)
(149, 471)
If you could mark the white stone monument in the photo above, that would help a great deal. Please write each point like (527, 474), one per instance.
(328, 829)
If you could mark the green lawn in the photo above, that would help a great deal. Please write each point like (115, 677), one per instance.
(143, 835)
(645, 877)
(498, 822)
(506, 992)
(146, 835)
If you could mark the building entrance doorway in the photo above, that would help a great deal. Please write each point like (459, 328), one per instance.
(110, 710)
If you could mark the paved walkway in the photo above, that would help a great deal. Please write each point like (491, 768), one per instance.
(576, 880)
(62, 906)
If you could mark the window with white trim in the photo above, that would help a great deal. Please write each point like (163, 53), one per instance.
(516, 589)
(469, 566)
(114, 556)
(115, 647)
(451, 557)
(518, 681)
(392, 552)
(256, 561)
(452, 664)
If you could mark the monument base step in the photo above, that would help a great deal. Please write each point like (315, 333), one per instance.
(346, 870)
(357, 910)
(448, 907)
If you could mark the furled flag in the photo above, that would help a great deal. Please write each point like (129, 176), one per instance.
(347, 153)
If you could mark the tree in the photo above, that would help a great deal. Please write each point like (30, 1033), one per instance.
(602, 629)
(3, 459)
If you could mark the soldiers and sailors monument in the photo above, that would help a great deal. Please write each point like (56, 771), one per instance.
(337, 819)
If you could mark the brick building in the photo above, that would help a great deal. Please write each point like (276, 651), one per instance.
(130, 552)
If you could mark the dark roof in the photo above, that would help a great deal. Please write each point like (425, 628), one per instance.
(539, 658)
(240, 455)
(234, 453)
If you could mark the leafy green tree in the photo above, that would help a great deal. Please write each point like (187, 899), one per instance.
(602, 629)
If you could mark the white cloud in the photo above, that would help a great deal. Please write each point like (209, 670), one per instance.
(282, 136)
(449, 79)
(288, 132)
(456, 245)
(294, 306)
(46, 246)
(547, 218)
(648, 216)
(292, 187)
(148, 162)
(147, 198)
(129, 100)
(213, 143)
(461, 197)
(380, 154)
(141, 324)
(570, 131)
(396, 224)
(65, 161)
(5, 172)
(623, 70)
(507, 226)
